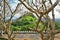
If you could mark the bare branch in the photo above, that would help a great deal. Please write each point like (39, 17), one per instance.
(4, 11)
(28, 7)
(51, 8)
(13, 13)
(17, 8)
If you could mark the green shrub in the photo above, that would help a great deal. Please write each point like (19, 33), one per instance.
(24, 23)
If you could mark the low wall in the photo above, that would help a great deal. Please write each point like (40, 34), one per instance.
(27, 35)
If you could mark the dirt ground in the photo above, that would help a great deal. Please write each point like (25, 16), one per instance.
(32, 39)
(57, 37)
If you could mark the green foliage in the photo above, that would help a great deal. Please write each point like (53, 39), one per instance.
(28, 21)
(13, 28)
(57, 25)
(40, 26)
(24, 23)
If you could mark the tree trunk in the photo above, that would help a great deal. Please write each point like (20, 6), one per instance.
(48, 36)
(9, 38)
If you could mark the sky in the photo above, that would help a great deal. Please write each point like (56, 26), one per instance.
(15, 2)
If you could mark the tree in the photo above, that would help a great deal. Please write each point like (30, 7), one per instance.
(6, 12)
(41, 9)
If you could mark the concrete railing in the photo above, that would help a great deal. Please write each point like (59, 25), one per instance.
(24, 32)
